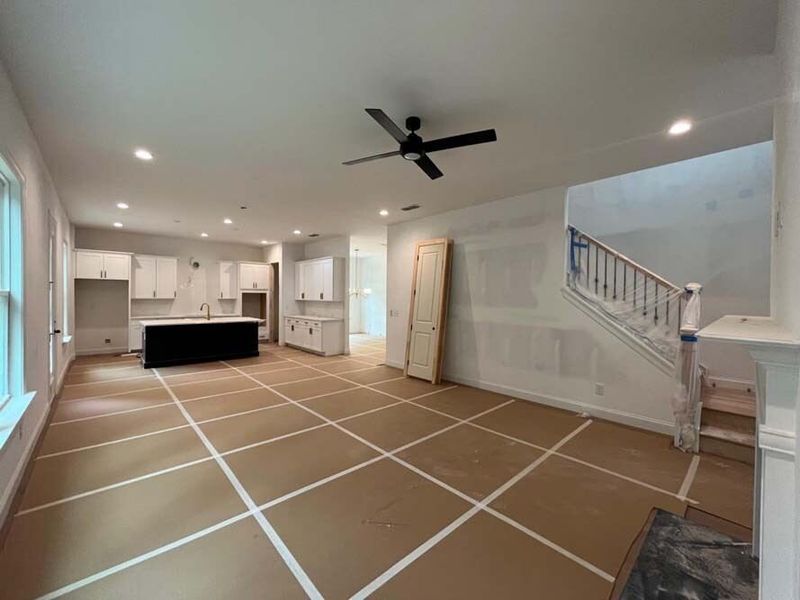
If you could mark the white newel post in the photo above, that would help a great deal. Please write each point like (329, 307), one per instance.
(775, 520)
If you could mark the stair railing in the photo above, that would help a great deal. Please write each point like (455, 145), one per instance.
(642, 302)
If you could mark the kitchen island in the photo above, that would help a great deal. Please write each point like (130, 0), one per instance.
(167, 342)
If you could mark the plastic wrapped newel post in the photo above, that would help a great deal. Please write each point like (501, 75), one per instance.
(686, 396)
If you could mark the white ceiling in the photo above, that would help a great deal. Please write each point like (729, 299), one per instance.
(257, 103)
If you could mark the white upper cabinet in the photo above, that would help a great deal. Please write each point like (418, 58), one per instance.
(90, 264)
(155, 277)
(253, 277)
(228, 286)
(320, 279)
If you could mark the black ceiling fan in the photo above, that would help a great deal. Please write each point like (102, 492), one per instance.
(412, 146)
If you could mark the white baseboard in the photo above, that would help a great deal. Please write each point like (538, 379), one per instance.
(16, 478)
(600, 412)
(103, 350)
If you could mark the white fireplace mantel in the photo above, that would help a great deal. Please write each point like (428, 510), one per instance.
(777, 355)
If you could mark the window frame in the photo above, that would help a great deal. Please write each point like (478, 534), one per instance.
(12, 375)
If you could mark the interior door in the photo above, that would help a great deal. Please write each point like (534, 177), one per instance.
(428, 309)
(88, 265)
(53, 333)
(144, 277)
(116, 266)
(166, 278)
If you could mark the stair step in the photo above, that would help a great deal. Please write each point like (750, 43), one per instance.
(729, 444)
(727, 435)
(729, 400)
(727, 421)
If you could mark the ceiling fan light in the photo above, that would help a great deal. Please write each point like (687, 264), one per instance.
(412, 155)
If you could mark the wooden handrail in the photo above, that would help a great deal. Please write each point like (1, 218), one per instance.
(634, 265)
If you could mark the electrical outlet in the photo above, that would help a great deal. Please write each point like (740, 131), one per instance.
(108, 340)
(599, 389)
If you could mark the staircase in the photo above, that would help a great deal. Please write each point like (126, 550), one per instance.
(728, 421)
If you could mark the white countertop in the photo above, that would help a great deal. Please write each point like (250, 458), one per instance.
(199, 321)
(197, 315)
(311, 318)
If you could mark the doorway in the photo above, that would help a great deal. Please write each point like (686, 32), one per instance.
(52, 302)
(368, 287)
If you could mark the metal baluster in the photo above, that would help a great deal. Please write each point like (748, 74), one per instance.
(624, 281)
(655, 306)
(605, 274)
(634, 287)
(667, 311)
(615, 279)
(588, 249)
(596, 268)
(644, 302)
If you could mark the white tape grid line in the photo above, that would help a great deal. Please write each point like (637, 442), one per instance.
(538, 447)
(477, 507)
(170, 403)
(450, 488)
(192, 537)
(688, 480)
(457, 422)
(280, 547)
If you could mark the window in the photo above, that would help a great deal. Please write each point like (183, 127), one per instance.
(65, 256)
(11, 317)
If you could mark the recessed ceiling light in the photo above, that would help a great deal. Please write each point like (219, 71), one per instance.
(383, 213)
(313, 235)
(227, 221)
(122, 205)
(117, 224)
(143, 154)
(264, 242)
(297, 232)
(680, 127)
(204, 234)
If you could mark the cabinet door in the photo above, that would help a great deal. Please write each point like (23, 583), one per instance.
(227, 281)
(314, 338)
(261, 274)
(117, 266)
(326, 279)
(312, 277)
(166, 278)
(88, 265)
(144, 277)
(299, 281)
(247, 278)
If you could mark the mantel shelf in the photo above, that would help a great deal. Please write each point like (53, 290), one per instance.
(752, 331)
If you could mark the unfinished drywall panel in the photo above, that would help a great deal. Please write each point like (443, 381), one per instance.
(707, 220)
(509, 327)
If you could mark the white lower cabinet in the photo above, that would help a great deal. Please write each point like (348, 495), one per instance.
(320, 335)
(134, 335)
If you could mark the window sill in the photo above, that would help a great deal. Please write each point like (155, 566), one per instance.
(66, 339)
(11, 413)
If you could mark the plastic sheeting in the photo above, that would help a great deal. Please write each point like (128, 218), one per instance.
(638, 304)
(686, 398)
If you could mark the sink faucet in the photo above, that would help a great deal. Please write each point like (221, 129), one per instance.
(208, 310)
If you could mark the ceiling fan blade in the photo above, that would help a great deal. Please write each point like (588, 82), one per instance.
(385, 122)
(431, 170)
(457, 141)
(373, 157)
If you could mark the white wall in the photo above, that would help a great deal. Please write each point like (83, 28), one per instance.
(102, 309)
(19, 148)
(509, 327)
(368, 313)
(285, 254)
(707, 220)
